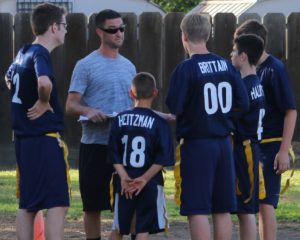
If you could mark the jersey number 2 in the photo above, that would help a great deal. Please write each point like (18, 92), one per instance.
(16, 82)
(137, 153)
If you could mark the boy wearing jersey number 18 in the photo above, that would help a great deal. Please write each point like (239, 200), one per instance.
(203, 92)
(246, 52)
(140, 144)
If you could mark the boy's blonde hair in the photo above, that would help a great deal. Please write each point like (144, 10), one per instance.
(197, 27)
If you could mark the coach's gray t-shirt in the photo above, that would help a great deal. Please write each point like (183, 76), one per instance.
(104, 84)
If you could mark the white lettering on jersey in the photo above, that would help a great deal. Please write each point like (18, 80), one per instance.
(213, 66)
(257, 92)
(136, 120)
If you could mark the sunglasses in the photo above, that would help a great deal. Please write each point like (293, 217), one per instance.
(113, 30)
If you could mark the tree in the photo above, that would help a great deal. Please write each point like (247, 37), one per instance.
(177, 5)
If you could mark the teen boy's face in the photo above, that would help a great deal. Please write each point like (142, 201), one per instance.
(235, 57)
(61, 30)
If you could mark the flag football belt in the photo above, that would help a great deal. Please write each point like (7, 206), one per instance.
(250, 163)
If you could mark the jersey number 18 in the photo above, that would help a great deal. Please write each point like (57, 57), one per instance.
(137, 151)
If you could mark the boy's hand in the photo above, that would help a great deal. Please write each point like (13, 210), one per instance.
(137, 185)
(281, 162)
(38, 109)
(125, 186)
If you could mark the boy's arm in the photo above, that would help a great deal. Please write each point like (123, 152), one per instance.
(42, 104)
(167, 116)
(125, 180)
(8, 82)
(282, 161)
(139, 183)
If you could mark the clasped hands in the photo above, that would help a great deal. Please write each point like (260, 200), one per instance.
(132, 187)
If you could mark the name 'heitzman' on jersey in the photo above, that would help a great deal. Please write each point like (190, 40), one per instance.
(213, 66)
(136, 120)
(257, 92)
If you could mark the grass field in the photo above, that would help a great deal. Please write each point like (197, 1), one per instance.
(288, 210)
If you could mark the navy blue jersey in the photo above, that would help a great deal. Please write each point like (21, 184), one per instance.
(138, 139)
(278, 94)
(202, 94)
(249, 124)
(32, 61)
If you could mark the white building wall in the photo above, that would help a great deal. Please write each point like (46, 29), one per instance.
(93, 6)
(8, 6)
(275, 6)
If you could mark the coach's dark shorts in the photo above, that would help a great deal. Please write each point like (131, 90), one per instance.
(272, 180)
(43, 180)
(246, 156)
(208, 177)
(94, 177)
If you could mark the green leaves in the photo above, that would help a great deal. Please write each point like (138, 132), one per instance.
(177, 5)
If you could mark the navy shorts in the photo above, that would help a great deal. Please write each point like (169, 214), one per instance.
(94, 177)
(149, 207)
(246, 158)
(272, 180)
(208, 177)
(43, 180)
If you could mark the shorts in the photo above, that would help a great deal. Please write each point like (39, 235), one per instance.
(246, 156)
(272, 180)
(43, 180)
(149, 207)
(94, 177)
(208, 177)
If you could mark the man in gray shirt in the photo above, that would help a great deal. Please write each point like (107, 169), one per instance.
(99, 88)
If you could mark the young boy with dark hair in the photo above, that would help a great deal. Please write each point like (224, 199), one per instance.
(279, 125)
(140, 145)
(246, 52)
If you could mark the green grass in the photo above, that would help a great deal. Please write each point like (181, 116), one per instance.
(288, 210)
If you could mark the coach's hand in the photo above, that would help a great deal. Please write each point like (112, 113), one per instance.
(38, 109)
(96, 115)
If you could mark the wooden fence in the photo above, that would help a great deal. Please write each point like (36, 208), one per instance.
(152, 43)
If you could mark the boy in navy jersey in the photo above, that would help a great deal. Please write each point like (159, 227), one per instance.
(203, 92)
(140, 144)
(278, 124)
(247, 50)
(37, 118)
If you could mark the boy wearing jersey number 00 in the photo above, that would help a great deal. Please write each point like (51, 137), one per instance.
(204, 90)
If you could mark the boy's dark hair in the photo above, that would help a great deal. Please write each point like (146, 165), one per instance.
(102, 16)
(250, 44)
(143, 85)
(44, 15)
(252, 26)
